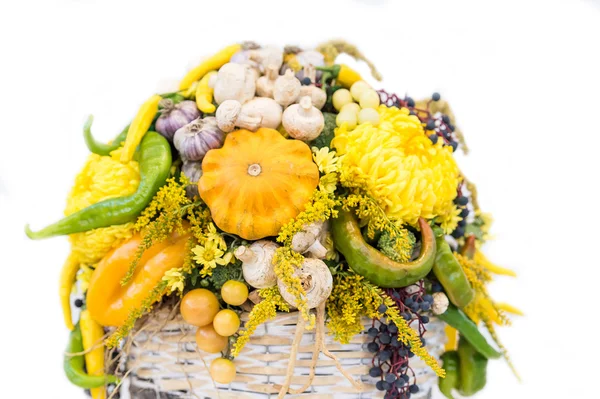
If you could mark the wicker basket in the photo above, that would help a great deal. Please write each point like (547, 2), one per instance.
(166, 364)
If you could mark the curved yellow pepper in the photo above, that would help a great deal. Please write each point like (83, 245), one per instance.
(67, 279)
(347, 76)
(140, 125)
(482, 260)
(213, 63)
(204, 94)
(92, 334)
(108, 301)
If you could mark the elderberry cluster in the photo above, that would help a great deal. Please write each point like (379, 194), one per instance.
(391, 357)
(461, 201)
(438, 126)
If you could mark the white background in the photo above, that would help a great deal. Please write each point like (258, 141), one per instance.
(522, 76)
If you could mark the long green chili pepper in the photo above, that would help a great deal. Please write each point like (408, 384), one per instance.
(155, 165)
(101, 148)
(469, 331)
(472, 369)
(74, 365)
(451, 381)
(451, 275)
(374, 265)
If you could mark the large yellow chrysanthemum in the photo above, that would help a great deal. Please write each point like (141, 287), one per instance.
(102, 177)
(397, 164)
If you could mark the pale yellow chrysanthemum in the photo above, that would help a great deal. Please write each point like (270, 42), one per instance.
(101, 178)
(397, 164)
(326, 160)
(328, 183)
(175, 280)
(209, 256)
(215, 236)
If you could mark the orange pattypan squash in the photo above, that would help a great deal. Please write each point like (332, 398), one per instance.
(257, 182)
(108, 302)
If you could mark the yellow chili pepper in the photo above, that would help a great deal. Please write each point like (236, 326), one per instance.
(510, 309)
(204, 94)
(140, 125)
(481, 259)
(213, 63)
(67, 278)
(92, 334)
(342, 73)
(452, 336)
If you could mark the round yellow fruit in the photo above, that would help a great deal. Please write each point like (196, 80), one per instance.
(226, 322)
(222, 370)
(199, 307)
(209, 341)
(234, 292)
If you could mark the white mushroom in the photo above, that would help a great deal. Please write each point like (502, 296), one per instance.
(259, 112)
(309, 240)
(440, 303)
(267, 56)
(317, 95)
(303, 121)
(234, 82)
(265, 84)
(286, 89)
(257, 263)
(316, 280)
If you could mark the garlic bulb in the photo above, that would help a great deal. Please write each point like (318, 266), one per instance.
(196, 138)
(316, 280)
(192, 170)
(257, 265)
(175, 116)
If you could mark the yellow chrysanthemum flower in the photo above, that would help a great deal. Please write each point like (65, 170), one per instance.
(175, 280)
(325, 159)
(215, 236)
(101, 178)
(209, 256)
(328, 183)
(397, 164)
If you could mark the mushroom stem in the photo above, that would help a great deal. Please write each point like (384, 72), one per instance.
(245, 254)
(317, 250)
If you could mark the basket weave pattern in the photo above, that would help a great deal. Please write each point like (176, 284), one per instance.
(166, 364)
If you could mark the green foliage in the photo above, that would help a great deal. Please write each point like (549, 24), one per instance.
(324, 139)
(398, 247)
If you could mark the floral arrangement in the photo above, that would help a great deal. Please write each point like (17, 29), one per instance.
(273, 181)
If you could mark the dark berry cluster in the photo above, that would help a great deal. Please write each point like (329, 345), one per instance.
(462, 202)
(391, 357)
(437, 126)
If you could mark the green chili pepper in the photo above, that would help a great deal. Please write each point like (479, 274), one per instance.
(451, 275)
(451, 381)
(472, 369)
(469, 331)
(375, 266)
(74, 365)
(155, 165)
(100, 148)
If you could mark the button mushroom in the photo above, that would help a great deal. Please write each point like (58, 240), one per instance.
(257, 263)
(234, 82)
(440, 303)
(303, 121)
(317, 95)
(267, 56)
(259, 112)
(265, 84)
(316, 280)
(308, 240)
(286, 89)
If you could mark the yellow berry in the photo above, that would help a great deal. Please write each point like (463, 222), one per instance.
(351, 107)
(222, 370)
(369, 99)
(340, 98)
(368, 115)
(350, 118)
(209, 341)
(226, 322)
(234, 292)
(199, 307)
(358, 88)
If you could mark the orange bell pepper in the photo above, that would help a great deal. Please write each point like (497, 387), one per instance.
(108, 302)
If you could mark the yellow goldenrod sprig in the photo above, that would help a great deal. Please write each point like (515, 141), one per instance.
(261, 312)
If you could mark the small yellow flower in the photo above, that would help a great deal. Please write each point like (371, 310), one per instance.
(83, 277)
(214, 236)
(209, 256)
(175, 280)
(328, 183)
(326, 160)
